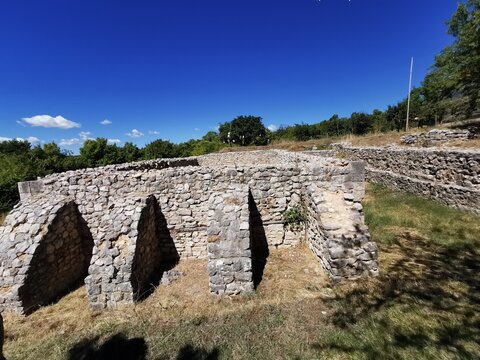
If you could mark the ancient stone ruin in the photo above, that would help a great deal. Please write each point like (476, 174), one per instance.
(436, 136)
(119, 228)
(448, 175)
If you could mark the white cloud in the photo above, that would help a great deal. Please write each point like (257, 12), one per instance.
(196, 129)
(272, 127)
(105, 122)
(70, 142)
(153, 132)
(113, 141)
(83, 136)
(135, 133)
(50, 122)
(30, 139)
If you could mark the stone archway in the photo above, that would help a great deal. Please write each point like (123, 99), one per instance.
(130, 259)
(155, 250)
(50, 253)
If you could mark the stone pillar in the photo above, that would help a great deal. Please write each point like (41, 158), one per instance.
(355, 180)
(229, 250)
(29, 188)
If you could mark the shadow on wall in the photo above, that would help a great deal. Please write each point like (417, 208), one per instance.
(60, 262)
(155, 251)
(258, 242)
(119, 347)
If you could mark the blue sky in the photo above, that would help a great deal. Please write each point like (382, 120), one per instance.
(175, 69)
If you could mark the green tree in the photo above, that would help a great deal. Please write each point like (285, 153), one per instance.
(203, 147)
(93, 151)
(16, 147)
(112, 155)
(361, 123)
(244, 130)
(456, 71)
(211, 136)
(131, 152)
(160, 149)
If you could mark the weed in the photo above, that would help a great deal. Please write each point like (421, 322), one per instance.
(294, 218)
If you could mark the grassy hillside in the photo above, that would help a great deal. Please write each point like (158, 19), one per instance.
(424, 305)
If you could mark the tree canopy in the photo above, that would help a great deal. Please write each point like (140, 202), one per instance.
(244, 131)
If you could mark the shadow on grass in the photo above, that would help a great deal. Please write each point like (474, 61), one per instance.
(119, 347)
(189, 352)
(426, 300)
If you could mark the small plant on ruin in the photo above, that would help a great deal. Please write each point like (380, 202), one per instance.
(341, 154)
(294, 218)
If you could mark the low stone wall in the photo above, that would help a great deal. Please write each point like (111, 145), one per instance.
(337, 234)
(451, 176)
(436, 136)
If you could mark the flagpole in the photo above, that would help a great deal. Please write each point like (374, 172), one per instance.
(409, 91)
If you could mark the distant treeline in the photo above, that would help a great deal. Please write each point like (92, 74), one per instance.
(451, 90)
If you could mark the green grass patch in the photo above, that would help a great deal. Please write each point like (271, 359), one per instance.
(389, 214)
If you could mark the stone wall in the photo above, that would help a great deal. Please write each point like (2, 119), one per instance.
(229, 247)
(436, 136)
(46, 250)
(127, 257)
(451, 176)
(337, 234)
(144, 216)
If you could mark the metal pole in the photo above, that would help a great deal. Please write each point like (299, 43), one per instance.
(409, 91)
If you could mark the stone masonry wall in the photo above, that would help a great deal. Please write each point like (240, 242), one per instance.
(337, 234)
(451, 176)
(127, 257)
(144, 216)
(183, 192)
(437, 136)
(229, 248)
(46, 249)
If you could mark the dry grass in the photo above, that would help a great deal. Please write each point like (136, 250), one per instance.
(380, 139)
(2, 217)
(290, 275)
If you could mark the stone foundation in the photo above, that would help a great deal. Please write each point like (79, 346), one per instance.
(139, 219)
